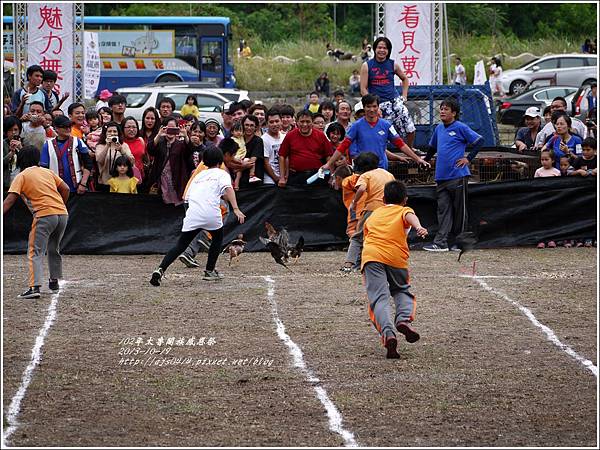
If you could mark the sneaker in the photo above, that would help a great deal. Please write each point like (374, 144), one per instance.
(390, 344)
(435, 248)
(541, 245)
(212, 275)
(551, 244)
(408, 331)
(156, 277)
(32, 292)
(568, 244)
(53, 285)
(579, 244)
(188, 261)
(455, 248)
(254, 180)
(588, 243)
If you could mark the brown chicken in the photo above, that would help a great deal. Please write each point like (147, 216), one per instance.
(235, 248)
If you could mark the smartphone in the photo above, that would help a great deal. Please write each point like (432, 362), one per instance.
(172, 131)
(182, 123)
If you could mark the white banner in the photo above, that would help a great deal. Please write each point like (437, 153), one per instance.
(91, 64)
(409, 27)
(480, 77)
(50, 34)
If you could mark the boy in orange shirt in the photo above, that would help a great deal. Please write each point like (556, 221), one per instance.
(385, 266)
(369, 194)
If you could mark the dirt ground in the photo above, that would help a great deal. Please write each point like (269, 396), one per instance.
(482, 374)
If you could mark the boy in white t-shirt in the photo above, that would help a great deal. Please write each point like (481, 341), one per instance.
(272, 140)
(203, 195)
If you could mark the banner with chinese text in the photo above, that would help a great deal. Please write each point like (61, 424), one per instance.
(91, 64)
(409, 27)
(50, 35)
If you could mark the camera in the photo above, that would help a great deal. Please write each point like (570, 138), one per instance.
(114, 139)
(172, 130)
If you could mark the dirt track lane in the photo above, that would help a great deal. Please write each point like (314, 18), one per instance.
(482, 374)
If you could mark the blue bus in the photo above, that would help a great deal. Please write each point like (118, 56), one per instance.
(141, 50)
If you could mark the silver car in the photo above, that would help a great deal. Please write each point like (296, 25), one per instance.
(210, 103)
(570, 70)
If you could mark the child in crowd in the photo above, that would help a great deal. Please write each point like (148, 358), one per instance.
(313, 102)
(190, 107)
(586, 164)
(565, 166)
(547, 169)
(123, 181)
(105, 115)
(50, 133)
(203, 195)
(344, 179)
(336, 133)
(237, 134)
(385, 266)
(369, 185)
(94, 122)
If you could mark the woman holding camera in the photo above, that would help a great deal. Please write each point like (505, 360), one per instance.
(110, 146)
(171, 168)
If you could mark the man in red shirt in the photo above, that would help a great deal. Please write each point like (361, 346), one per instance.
(302, 151)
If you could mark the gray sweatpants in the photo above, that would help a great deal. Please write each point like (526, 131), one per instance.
(44, 237)
(356, 241)
(383, 281)
(451, 209)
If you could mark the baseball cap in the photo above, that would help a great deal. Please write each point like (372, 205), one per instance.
(226, 107)
(533, 111)
(358, 107)
(62, 122)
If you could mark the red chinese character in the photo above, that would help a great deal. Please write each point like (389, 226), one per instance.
(52, 17)
(408, 64)
(410, 16)
(408, 39)
(52, 64)
(50, 38)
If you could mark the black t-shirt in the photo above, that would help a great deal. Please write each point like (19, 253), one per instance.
(586, 164)
(254, 148)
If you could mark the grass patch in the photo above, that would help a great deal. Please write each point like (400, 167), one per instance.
(265, 74)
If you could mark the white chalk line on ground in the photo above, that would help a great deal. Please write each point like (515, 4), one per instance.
(335, 418)
(36, 355)
(550, 335)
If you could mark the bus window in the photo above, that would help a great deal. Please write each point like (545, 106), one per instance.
(212, 56)
(186, 49)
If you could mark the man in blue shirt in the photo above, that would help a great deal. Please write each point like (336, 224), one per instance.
(450, 140)
(371, 134)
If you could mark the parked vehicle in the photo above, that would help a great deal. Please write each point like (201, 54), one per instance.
(565, 70)
(210, 103)
(233, 95)
(511, 110)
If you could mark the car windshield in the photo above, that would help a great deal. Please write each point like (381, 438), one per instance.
(527, 63)
(135, 99)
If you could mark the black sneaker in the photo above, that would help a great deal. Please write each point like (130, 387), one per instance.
(390, 344)
(156, 277)
(188, 261)
(435, 248)
(408, 331)
(212, 275)
(32, 292)
(53, 285)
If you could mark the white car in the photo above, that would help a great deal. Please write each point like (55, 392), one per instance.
(233, 95)
(567, 69)
(210, 103)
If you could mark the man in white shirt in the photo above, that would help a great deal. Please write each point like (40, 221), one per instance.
(272, 140)
(559, 104)
(460, 75)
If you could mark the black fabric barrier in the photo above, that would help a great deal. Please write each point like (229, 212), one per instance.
(504, 214)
